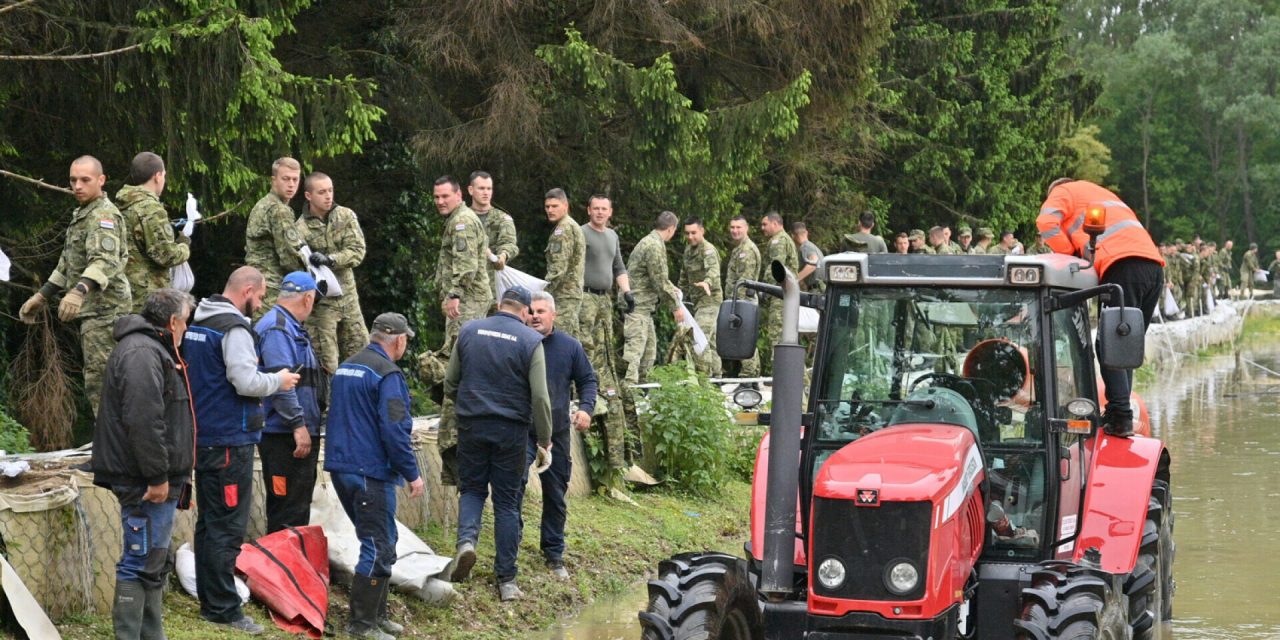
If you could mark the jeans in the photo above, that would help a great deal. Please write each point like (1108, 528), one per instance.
(492, 456)
(289, 481)
(224, 493)
(1143, 282)
(148, 528)
(555, 483)
(371, 505)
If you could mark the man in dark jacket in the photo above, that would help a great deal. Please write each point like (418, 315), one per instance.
(289, 448)
(567, 368)
(142, 451)
(367, 453)
(497, 377)
(227, 389)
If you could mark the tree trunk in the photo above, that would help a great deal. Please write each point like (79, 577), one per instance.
(1246, 198)
(1146, 157)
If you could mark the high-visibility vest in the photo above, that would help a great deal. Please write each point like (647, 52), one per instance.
(1061, 225)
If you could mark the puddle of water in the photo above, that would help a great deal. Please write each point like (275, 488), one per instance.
(1220, 425)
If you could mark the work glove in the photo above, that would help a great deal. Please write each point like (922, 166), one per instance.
(630, 299)
(29, 308)
(69, 308)
(318, 259)
(542, 460)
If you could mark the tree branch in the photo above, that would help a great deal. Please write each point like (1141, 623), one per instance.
(68, 58)
(39, 183)
(11, 7)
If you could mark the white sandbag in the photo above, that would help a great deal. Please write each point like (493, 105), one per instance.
(1208, 298)
(809, 319)
(1170, 307)
(325, 280)
(181, 277)
(510, 276)
(1260, 276)
(185, 566)
(4, 266)
(700, 341)
(193, 216)
(416, 568)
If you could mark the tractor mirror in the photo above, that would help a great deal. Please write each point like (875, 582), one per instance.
(736, 329)
(1121, 337)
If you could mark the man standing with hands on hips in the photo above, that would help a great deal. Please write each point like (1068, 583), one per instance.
(367, 453)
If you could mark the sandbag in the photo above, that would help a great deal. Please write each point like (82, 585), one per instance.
(510, 276)
(326, 282)
(185, 566)
(181, 277)
(288, 572)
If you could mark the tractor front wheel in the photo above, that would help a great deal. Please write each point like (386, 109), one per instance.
(702, 596)
(1069, 602)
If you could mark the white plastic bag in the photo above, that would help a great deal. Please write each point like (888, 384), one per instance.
(809, 320)
(193, 215)
(4, 266)
(510, 276)
(185, 566)
(1170, 307)
(325, 280)
(181, 278)
(1260, 276)
(700, 341)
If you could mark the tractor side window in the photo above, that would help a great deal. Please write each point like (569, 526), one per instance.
(1016, 507)
(1073, 371)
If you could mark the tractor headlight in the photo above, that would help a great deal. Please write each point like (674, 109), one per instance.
(901, 577)
(831, 573)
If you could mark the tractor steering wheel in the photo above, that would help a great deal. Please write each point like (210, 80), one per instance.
(949, 381)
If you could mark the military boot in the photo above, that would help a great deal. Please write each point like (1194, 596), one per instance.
(126, 610)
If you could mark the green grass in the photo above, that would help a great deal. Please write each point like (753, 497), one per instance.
(611, 546)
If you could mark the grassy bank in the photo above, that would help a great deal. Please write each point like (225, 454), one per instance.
(611, 546)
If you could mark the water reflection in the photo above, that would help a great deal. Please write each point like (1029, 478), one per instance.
(1221, 420)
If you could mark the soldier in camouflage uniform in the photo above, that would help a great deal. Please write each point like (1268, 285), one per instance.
(1191, 281)
(91, 272)
(918, 244)
(603, 270)
(1038, 247)
(810, 257)
(864, 240)
(938, 242)
(498, 225)
(462, 280)
(982, 241)
(272, 240)
(1274, 270)
(1004, 247)
(1225, 269)
(743, 264)
(1172, 277)
(566, 258)
(1208, 260)
(333, 233)
(965, 233)
(700, 283)
(779, 247)
(1248, 267)
(647, 267)
(153, 250)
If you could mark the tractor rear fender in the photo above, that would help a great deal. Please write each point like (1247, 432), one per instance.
(1121, 471)
(759, 485)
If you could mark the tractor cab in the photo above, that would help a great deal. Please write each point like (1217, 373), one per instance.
(947, 476)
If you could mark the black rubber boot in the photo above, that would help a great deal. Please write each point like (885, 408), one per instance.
(384, 621)
(126, 610)
(153, 614)
(365, 595)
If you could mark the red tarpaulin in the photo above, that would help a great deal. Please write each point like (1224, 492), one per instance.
(288, 571)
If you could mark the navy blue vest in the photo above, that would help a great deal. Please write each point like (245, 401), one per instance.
(356, 440)
(495, 353)
(224, 418)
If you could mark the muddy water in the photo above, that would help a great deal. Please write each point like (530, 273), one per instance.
(1221, 420)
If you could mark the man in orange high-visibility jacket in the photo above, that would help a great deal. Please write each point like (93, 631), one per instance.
(1125, 255)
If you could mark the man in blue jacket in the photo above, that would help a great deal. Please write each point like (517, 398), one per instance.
(497, 378)
(290, 442)
(567, 367)
(227, 389)
(367, 453)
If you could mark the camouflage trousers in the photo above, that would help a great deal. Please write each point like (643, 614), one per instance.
(96, 343)
(770, 332)
(1246, 283)
(596, 329)
(337, 330)
(447, 436)
(568, 316)
(268, 299)
(683, 348)
(641, 345)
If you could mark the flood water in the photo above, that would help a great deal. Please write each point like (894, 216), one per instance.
(1220, 418)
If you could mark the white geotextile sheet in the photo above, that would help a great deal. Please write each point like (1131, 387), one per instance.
(700, 341)
(510, 276)
(29, 614)
(416, 565)
(809, 320)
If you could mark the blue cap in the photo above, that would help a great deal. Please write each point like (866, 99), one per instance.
(518, 294)
(298, 282)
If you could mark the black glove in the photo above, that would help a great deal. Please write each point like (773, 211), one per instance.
(630, 299)
(318, 259)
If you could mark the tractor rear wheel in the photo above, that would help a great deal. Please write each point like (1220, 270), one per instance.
(702, 596)
(1150, 586)
(1069, 602)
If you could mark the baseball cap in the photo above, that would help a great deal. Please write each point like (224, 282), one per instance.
(985, 232)
(392, 324)
(298, 282)
(518, 294)
(915, 234)
(964, 230)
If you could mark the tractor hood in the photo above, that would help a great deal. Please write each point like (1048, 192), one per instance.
(937, 463)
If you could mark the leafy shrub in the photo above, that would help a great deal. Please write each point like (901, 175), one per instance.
(13, 436)
(688, 431)
(744, 443)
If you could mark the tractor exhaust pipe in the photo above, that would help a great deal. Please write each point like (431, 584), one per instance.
(777, 577)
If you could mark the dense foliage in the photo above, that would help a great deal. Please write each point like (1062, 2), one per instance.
(688, 432)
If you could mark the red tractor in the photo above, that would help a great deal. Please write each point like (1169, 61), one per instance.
(949, 478)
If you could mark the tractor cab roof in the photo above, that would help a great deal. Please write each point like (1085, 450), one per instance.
(1045, 270)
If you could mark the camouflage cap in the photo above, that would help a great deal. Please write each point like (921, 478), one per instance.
(964, 230)
(1179, 241)
(985, 232)
(916, 234)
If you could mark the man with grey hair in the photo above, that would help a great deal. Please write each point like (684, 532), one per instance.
(568, 369)
(143, 442)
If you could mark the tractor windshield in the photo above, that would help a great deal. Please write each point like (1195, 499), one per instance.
(924, 354)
